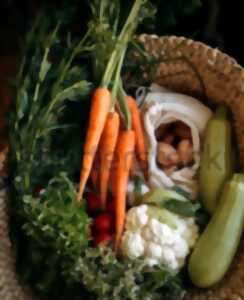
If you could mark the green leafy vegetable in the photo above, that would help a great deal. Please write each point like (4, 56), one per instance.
(175, 200)
(56, 232)
(185, 209)
(56, 219)
(51, 230)
(137, 189)
(180, 191)
(109, 278)
(160, 195)
(41, 96)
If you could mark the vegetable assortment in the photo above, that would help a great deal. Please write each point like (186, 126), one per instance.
(82, 236)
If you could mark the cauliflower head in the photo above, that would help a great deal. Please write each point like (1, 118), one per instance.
(158, 236)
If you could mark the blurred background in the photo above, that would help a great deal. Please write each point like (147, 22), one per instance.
(215, 22)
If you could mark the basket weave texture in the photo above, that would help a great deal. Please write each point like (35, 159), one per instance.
(192, 68)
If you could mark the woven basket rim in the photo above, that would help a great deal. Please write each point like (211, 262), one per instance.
(181, 38)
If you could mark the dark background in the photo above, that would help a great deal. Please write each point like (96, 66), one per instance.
(216, 22)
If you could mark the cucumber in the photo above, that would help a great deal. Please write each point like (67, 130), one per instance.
(216, 164)
(217, 246)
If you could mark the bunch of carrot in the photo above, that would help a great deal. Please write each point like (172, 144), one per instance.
(108, 138)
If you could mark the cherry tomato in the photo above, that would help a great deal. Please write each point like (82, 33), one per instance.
(93, 202)
(103, 223)
(102, 239)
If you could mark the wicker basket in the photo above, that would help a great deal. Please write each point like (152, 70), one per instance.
(221, 80)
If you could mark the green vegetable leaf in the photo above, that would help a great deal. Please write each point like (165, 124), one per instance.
(57, 219)
(73, 92)
(202, 219)
(125, 279)
(46, 65)
(185, 209)
(47, 130)
(159, 196)
(175, 200)
(162, 215)
(137, 186)
(23, 104)
(180, 191)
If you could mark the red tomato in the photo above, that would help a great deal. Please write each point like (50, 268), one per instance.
(93, 202)
(103, 223)
(102, 239)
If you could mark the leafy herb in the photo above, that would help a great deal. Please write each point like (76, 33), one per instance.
(51, 229)
(105, 26)
(55, 231)
(109, 278)
(56, 219)
(42, 94)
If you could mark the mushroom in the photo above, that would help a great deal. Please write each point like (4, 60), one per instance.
(167, 155)
(185, 151)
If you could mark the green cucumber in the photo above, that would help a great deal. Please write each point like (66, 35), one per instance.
(217, 246)
(216, 164)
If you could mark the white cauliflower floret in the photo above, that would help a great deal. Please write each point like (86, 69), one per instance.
(180, 247)
(154, 250)
(169, 258)
(132, 244)
(136, 218)
(151, 262)
(158, 240)
(189, 230)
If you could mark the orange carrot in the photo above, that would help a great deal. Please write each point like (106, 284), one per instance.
(98, 115)
(106, 152)
(123, 155)
(139, 135)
